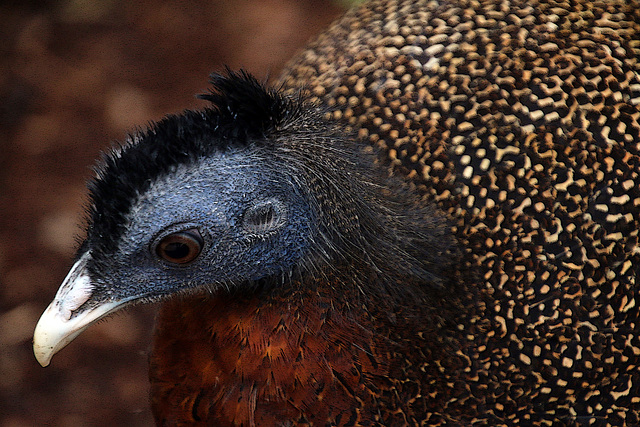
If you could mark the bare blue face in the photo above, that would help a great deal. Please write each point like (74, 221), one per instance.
(222, 220)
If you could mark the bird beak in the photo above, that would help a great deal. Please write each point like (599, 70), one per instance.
(64, 320)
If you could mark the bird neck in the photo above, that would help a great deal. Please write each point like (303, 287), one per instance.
(258, 357)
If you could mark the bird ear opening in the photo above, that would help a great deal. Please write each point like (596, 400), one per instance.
(264, 217)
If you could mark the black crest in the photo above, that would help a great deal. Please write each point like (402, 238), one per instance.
(243, 111)
(248, 107)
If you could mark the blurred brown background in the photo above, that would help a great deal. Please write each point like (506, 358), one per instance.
(74, 76)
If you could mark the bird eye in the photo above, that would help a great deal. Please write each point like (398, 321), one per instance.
(181, 247)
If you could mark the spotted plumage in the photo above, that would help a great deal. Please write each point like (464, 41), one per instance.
(491, 280)
(520, 120)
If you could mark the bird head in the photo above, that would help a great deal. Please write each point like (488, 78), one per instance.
(255, 188)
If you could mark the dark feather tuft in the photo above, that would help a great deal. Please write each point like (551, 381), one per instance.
(253, 109)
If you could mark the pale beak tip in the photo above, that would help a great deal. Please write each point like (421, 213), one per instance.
(43, 348)
(43, 356)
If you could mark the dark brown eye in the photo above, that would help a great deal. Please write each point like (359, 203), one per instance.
(181, 247)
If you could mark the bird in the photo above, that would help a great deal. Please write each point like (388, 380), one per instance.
(430, 218)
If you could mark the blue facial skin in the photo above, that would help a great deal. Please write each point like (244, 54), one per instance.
(215, 196)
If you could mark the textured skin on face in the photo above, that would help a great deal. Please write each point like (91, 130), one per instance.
(518, 120)
(521, 121)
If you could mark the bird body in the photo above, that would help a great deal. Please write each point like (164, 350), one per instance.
(433, 220)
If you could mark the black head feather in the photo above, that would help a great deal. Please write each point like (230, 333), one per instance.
(248, 106)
